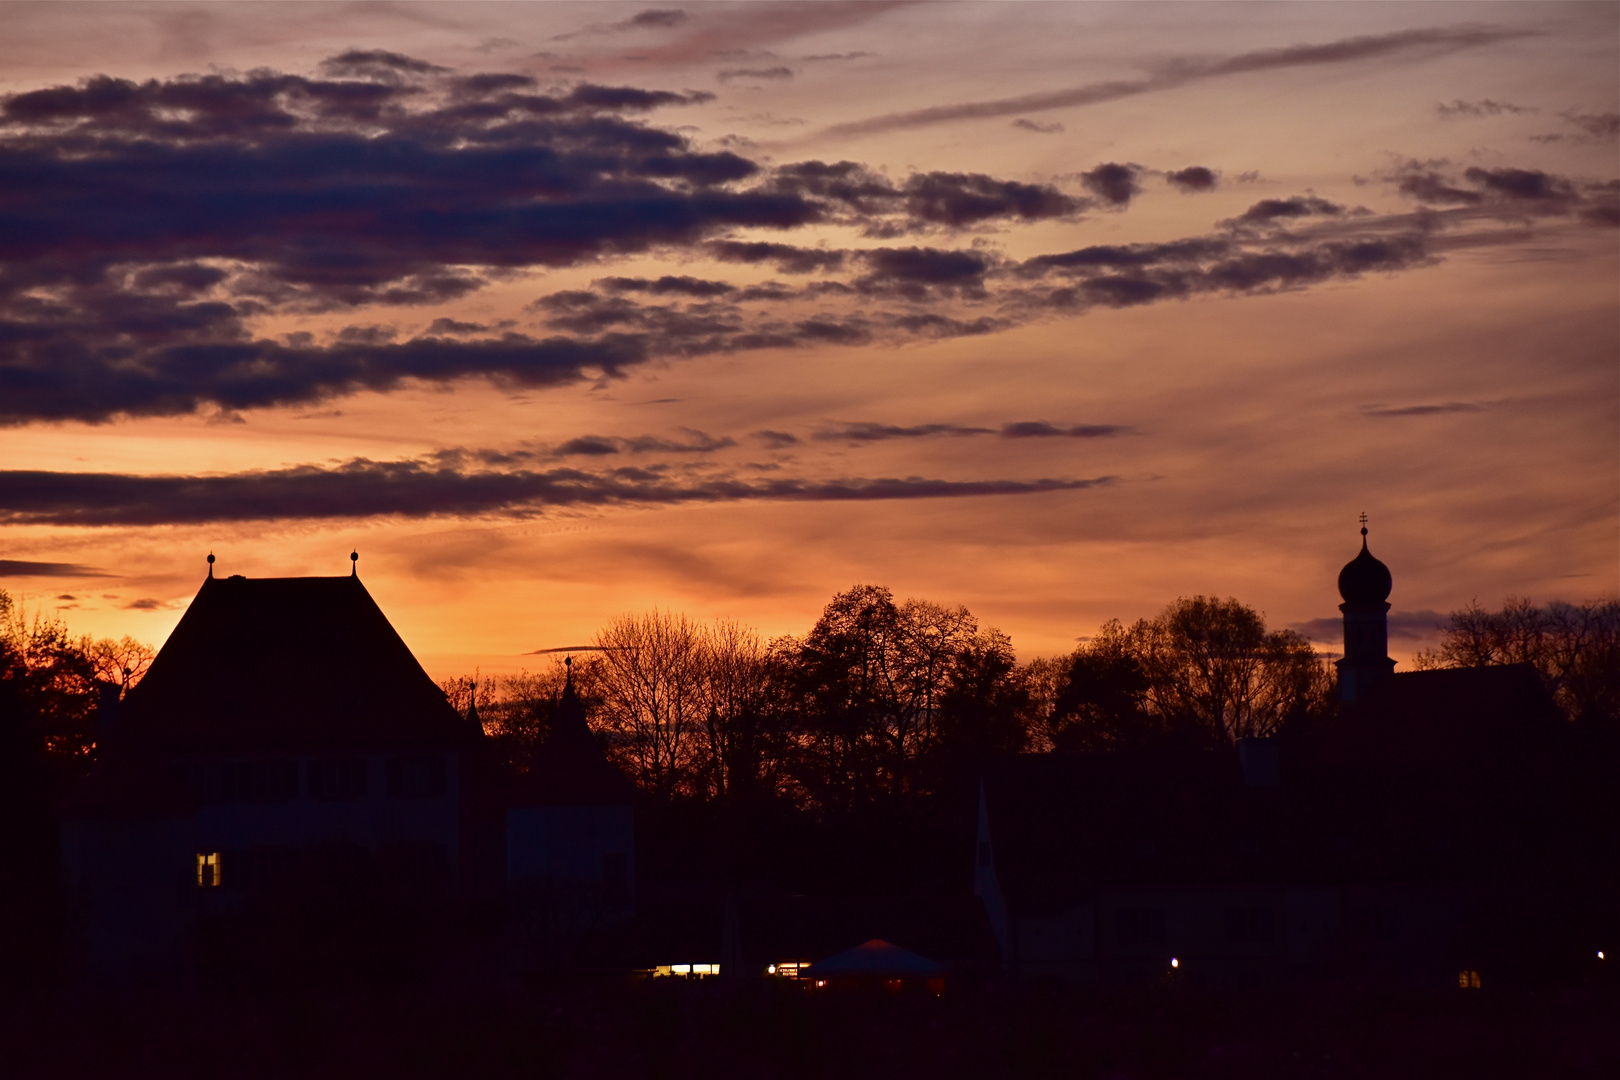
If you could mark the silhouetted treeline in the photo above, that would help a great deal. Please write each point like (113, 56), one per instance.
(1574, 647)
(50, 683)
(885, 699)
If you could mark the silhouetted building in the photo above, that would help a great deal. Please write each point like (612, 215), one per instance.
(284, 742)
(1365, 584)
(1442, 827)
(570, 838)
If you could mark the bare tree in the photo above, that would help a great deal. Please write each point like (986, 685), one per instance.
(653, 696)
(1574, 647)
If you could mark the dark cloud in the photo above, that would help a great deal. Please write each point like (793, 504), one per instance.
(668, 285)
(871, 432)
(1116, 184)
(649, 19)
(144, 604)
(362, 489)
(1194, 178)
(1420, 42)
(788, 258)
(916, 272)
(143, 224)
(1142, 274)
(25, 568)
(1268, 210)
(776, 73)
(1026, 124)
(696, 442)
(933, 198)
(822, 57)
(1527, 185)
(1039, 429)
(654, 18)
(1483, 107)
(776, 440)
(1597, 125)
(1422, 410)
(1431, 187)
(958, 199)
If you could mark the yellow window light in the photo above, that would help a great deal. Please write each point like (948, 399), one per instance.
(208, 870)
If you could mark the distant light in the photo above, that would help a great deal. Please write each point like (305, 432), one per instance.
(1600, 954)
(1174, 962)
(772, 969)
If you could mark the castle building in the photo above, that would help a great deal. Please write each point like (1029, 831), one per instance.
(284, 741)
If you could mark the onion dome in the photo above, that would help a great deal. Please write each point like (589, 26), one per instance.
(1365, 580)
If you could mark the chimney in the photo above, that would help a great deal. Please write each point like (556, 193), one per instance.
(1262, 762)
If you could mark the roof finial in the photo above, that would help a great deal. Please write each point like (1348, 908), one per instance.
(354, 562)
(1364, 523)
(210, 564)
(568, 671)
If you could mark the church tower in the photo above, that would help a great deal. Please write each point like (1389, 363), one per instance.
(1365, 585)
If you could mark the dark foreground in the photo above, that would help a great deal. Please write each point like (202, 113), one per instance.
(675, 1029)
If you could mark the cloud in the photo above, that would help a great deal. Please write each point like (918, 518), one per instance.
(1026, 124)
(871, 432)
(1268, 210)
(1420, 43)
(696, 442)
(1483, 107)
(1526, 185)
(648, 19)
(1507, 192)
(25, 568)
(954, 200)
(1421, 410)
(1193, 178)
(1116, 184)
(1597, 125)
(776, 440)
(144, 604)
(362, 489)
(1039, 429)
(789, 259)
(777, 73)
(668, 285)
(958, 199)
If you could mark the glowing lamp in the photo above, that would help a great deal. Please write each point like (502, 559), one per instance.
(1600, 954)
(1174, 962)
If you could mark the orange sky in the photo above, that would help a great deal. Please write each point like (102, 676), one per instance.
(998, 388)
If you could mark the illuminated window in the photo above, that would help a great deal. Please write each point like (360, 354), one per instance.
(1468, 980)
(789, 969)
(208, 870)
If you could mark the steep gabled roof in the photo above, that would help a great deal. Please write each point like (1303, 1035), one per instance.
(282, 665)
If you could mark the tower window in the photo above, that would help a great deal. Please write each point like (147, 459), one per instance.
(208, 870)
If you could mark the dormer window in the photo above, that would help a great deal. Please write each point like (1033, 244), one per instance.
(208, 870)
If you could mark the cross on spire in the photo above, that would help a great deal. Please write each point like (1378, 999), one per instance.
(1364, 523)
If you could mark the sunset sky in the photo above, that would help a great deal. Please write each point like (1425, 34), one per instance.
(559, 311)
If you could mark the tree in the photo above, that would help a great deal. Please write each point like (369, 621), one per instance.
(1574, 647)
(653, 699)
(1203, 672)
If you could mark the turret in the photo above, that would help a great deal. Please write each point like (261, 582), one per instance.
(1365, 584)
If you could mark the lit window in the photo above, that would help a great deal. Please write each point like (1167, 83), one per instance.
(1468, 980)
(681, 969)
(208, 870)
